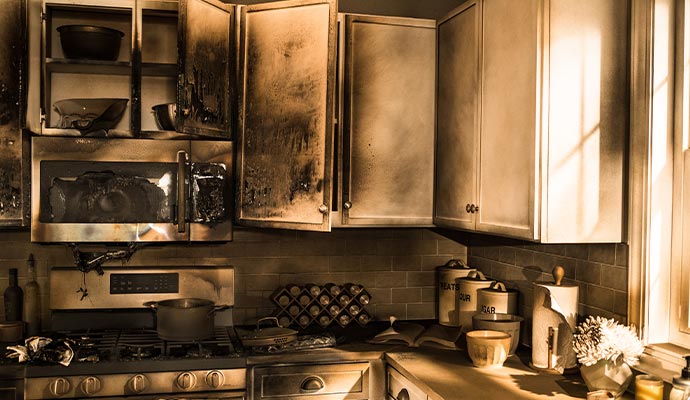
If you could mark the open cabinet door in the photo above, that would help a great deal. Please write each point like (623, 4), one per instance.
(205, 83)
(285, 140)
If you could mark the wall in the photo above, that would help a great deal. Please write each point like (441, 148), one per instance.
(600, 271)
(397, 266)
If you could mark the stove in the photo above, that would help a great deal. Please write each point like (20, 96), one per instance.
(116, 350)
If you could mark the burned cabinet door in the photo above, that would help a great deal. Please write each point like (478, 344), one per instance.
(205, 68)
(13, 57)
(286, 81)
(390, 65)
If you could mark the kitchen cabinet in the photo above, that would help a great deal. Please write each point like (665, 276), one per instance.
(14, 185)
(286, 114)
(387, 138)
(348, 380)
(401, 388)
(532, 119)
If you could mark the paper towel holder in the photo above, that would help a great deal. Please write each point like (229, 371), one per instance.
(558, 272)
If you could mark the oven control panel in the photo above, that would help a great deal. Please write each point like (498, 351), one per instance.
(144, 283)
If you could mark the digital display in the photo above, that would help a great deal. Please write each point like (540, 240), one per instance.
(144, 283)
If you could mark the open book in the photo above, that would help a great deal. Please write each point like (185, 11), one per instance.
(415, 335)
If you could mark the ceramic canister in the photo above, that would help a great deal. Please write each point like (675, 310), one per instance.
(448, 285)
(467, 297)
(497, 299)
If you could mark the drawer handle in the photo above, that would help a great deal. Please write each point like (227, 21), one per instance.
(312, 384)
(403, 395)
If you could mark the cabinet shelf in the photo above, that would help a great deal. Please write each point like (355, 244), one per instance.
(64, 65)
(158, 69)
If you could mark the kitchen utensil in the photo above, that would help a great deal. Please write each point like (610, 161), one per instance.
(90, 115)
(185, 319)
(487, 348)
(90, 42)
(497, 299)
(274, 335)
(11, 331)
(448, 289)
(507, 323)
(164, 114)
(467, 297)
(554, 316)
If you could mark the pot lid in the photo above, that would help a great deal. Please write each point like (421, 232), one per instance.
(270, 332)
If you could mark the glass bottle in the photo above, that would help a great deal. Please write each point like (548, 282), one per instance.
(14, 298)
(32, 300)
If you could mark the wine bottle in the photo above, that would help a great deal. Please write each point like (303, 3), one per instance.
(32, 300)
(14, 298)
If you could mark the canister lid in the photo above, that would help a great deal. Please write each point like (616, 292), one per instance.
(498, 287)
(475, 276)
(455, 264)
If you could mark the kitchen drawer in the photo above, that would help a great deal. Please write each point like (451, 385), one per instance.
(312, 381)
(397, 384)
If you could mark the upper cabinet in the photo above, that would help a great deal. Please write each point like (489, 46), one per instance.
(387, 124)
(286, 114)
(14, 186)
(532, 119)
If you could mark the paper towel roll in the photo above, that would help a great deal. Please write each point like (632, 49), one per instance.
(554, 307)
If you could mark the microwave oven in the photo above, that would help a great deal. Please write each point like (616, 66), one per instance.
(130, 190)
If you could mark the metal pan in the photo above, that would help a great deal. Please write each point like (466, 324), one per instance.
(271, 336)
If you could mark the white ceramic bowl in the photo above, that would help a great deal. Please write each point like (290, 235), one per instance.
(488, 349)
(507, 323)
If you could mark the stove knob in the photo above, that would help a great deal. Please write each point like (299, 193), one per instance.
(90, 385)
(59, 387)
(138, 383)
(186, 380)
(215, 379)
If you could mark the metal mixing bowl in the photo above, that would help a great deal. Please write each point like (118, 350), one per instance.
(164, 115)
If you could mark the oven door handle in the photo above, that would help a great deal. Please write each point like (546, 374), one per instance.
(181, 190)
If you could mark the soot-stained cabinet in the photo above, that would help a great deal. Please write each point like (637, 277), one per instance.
(386, 143)
(14, 187)
(286, 110)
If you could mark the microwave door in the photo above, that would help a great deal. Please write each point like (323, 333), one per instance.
(211, 191)
(109, 190)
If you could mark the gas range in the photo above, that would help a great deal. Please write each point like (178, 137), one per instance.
(117, 350)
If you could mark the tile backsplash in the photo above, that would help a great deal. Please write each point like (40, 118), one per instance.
(397, 266)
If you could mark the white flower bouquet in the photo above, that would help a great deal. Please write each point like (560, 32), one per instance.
(600, 338)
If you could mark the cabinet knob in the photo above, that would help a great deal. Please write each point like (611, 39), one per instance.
(403, 395)
(468, 208)
(347, 205)
(323, 209)
(185, 112)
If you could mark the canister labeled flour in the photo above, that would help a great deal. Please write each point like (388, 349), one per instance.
(497, 299)
(448, 285)
(467, 297)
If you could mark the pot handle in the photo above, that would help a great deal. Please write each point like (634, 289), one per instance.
(152, 305)
(218, 308)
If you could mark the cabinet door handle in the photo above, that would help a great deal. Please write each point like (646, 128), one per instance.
(312, 384)
(181, 190)
(403, 395)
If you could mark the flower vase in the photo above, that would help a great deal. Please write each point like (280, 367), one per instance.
(607, 375)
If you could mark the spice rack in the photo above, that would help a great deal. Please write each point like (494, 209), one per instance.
(322, 305)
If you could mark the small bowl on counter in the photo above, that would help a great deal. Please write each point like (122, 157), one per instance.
(487, 348)
(507, 323)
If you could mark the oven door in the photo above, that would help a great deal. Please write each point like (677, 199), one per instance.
(130, 190)
(188, 396)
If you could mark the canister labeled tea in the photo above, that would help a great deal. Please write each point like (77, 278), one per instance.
(497, 299)
(467, 297)
(448, 285)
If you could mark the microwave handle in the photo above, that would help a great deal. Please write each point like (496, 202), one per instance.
(181, 193)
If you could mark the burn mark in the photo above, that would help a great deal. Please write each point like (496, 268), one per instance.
(303, 179)
(208, 189)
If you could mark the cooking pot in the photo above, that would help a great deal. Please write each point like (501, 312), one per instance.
(11, 331)
(271, 336)
(185, 318)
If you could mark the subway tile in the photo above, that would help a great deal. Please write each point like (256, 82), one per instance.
(380, 295)
(614, 277)
(589, 272)
(507, 255)
(579, 251)
(396, 247)
(545, 262)
(421, 311)
(492, 252)
(447, 246)
(407, 233)
(406, 295)
(431, 263)
(261, 282)
(361, 246)
(376, 263)
(604, 253)
(622, 254)
(523, 257)
(407, 263)
(419, 279)
(345, 263)
(600, 297)
(620, 305)
(382, 312)
(245, 249)
(390, 280)
(245, 234)
(429, 295)
(321, 247)
(556, 249)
